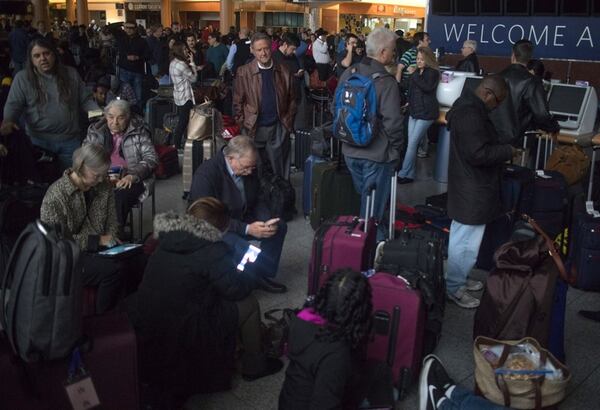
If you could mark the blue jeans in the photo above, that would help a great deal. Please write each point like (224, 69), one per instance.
(463, 399)
(416, 130)
(63, 149)
(267, 263)
(463, 248)
(367, 175)
(135, 81)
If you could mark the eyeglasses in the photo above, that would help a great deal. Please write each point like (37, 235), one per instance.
(498, 101)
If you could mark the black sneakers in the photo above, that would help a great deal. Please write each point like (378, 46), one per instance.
(433, 384)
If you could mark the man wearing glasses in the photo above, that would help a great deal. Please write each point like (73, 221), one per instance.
(133, 53)
(470, 62)
(474, 172)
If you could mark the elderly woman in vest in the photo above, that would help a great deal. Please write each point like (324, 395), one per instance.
(126, 138)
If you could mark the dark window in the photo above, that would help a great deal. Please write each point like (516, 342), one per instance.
(490, 7)
(575, 7)
(516, 7)
(468, 7)
(441, 6)
(596, 7)
(545, 7)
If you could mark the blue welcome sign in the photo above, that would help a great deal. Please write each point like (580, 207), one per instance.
(576, 38)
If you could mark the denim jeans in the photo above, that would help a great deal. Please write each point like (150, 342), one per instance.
(63, 149)
(367, 175)
(416, 130)
(463, 248)
(463, 399)
(135, 81)
(267, 263)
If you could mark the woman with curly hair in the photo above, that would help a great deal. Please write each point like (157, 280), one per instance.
(326, 350)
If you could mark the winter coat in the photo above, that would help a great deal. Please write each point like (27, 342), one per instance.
(137, 148)
(469, 64)
(475, 165)
(422, 100)
(184, 311)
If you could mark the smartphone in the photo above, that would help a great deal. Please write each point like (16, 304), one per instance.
(271, 222)
(120, 249)
(249, 257)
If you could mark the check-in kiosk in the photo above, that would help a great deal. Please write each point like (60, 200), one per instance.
(574, 107)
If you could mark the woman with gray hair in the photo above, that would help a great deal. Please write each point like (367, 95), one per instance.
(83, 204)
(126, 138)
(469, 63)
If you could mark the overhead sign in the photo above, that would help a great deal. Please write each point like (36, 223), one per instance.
(554, 37)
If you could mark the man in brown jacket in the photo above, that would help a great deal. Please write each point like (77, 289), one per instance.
(264, 103)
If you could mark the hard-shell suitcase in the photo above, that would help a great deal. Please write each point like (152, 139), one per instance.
(398, 328)
(168, 161)
(333, 193)
(343, 242)
(111, 361)
(307, 183)
(584, 250)
(194, 153)
(301, 148)
(156, 109)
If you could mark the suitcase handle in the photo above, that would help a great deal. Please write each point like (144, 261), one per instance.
(393, 192)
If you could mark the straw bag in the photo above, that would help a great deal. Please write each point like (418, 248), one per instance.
(531, 392)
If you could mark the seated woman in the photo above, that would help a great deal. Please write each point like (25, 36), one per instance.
(83, 204)
(326, 342)
(127, 140)
(191, 304)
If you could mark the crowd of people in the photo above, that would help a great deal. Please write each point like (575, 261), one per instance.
(192, 304)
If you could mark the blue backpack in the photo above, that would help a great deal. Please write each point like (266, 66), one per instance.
(355, 115)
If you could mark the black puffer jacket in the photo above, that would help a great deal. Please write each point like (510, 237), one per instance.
(184, 311)
(475, 165)
(469, 64)
(422, 101)
(526, 108)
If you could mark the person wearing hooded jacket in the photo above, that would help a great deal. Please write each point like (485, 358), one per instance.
(474, 172)
(192, 303)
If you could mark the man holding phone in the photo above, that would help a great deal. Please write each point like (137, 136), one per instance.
(230, 177)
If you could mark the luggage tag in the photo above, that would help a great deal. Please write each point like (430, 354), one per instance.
(540, 173)
(79, 385)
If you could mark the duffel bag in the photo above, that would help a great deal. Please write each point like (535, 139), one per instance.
(571, 161)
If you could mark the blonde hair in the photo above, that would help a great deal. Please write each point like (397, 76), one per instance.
(92, 156)
(429, 57)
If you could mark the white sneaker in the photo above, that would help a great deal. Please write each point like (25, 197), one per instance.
(463, 299)
(474, 285)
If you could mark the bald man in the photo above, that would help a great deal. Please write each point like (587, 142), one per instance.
(474, 172)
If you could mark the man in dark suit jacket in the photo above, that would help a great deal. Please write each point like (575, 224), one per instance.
(230, 177)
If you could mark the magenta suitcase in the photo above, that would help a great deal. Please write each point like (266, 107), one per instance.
(112, 363)
(341, 243)
(398, 328)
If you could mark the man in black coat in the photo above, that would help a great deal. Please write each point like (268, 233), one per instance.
(527, 107)
(230, 178)
(470, 62)
(474, 173)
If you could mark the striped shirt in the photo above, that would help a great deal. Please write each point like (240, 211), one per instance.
(408, 58)
(182, 77)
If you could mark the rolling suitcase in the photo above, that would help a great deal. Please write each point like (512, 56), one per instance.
(307, 183)
(168, 161)
(584, 250)
(343, 242)
(301, 148)
(111, 361)
(156, 109)
(333, 193)
(194, 153)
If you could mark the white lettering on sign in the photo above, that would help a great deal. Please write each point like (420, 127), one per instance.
(519, 36)
(470, 31)
(494, 34)
(543, 36)
(453, 29)
(481, 40)
(557, 35)
(586, 36)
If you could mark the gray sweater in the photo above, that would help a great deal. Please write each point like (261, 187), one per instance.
(54, 120)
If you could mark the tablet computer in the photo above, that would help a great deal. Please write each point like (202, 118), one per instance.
(249, 257)
(121, 250)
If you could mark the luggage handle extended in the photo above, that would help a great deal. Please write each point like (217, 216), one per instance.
(393, 192)
(589, 203)
(548, 147)
(369, 209)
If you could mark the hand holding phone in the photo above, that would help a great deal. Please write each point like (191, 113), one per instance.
(272, 222)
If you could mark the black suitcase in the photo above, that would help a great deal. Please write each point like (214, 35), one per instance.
(301, 148)
(156, 109)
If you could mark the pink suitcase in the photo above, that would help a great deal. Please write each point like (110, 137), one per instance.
(112, 363)
(342, 243)
(398, 328)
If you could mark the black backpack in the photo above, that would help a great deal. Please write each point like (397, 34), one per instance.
(279, 195)
(41, 295)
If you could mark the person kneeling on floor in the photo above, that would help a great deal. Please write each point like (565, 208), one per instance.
(326, 349)
(82, 203)
(191, 303)
(231, 178)
(476, 159)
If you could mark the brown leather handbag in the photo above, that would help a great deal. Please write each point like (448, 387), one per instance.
(519, 292)
(571, 161)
